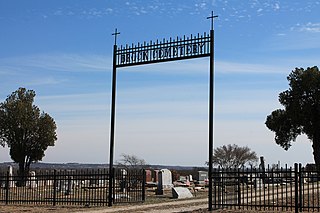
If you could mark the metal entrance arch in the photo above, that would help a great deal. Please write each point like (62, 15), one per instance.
(181, 48)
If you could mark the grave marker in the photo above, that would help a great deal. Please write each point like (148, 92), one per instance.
(165, 178)
(32, 181)
(181, 193)
(10, 173)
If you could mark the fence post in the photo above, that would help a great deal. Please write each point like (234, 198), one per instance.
(144, 185)
(7, 187)
(113, 190)
(296, 188)
(300, 186)
(54, 186)
(239, 188)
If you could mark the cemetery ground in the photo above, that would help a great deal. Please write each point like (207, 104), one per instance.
(154, 203)
(249, 190)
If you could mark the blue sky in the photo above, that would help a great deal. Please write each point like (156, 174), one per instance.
(63, 51)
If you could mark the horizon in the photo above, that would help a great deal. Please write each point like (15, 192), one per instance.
(63, 51)
(149, 166)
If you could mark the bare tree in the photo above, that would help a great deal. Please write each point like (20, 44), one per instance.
(233, 156)
(131, 162)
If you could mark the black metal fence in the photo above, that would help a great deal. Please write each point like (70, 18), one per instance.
(72, 187)
(129, 186)
(278, 189)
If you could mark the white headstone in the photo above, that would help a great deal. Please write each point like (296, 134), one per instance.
(49, 183)
(258, 184)
(32, 181)
(62, 186)
(203, 175)
(10, 171)
(165, 178)
(181, 193)
(69, 186)
(102, 183)
(124, 172)
(85, 183)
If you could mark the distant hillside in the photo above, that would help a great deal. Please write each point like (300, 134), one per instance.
(92, 166)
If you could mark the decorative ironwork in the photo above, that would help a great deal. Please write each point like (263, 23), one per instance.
(115, 34)
(166, 50)
(212, 17)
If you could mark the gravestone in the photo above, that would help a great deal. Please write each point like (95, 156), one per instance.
(262, 163)
(203, 175)
(181, 193)
(165, 178)
(258, 183)
(32, 181)
(262, 167)
(62, 186)
(102, 183)
(48, 183)
(93, 182)
(183, 178)
(123, 181)
(2, 182)
(155, 175)
(159, 189)
(148, 175)
(85, 183)
(69, 186)
(10, 172)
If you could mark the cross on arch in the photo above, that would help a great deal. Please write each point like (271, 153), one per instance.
(115, 34)
(212, 17)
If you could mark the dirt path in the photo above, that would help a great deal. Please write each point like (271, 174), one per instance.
(167, 207)
(182, 206)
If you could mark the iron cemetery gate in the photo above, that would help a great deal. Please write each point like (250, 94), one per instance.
(157, 52)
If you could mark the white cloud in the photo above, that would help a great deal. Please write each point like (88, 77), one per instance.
(300, 37)
(57, 62)
(84, 13)
(79, 104)
(235, 67)
(45, 81)
(259, 10)
(58, 12)
(108, 10)
(276, 7)
(281, 34)
(310, 27)
(307, 27)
